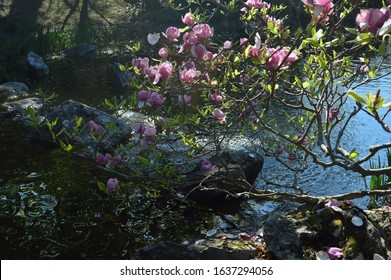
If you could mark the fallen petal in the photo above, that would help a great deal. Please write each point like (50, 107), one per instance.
(357, 221)
(322, 256)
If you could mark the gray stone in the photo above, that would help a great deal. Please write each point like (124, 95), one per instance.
(17, 109)
(67, 115)
(118, 78)
(37, 67)
(81, 52)
(13, 86)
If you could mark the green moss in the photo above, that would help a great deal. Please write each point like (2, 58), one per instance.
(353, 247)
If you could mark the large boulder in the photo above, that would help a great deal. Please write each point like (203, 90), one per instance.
(234, 172)
(38, 69)
(113, 131)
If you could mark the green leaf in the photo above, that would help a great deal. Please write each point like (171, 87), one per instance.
(65, 147)
(102, 187)
(363, 38)
(353, 154)
(79, 121)
(108, 103)
(143, 161)
(358, 98)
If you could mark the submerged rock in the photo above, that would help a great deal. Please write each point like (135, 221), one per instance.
(13, 86)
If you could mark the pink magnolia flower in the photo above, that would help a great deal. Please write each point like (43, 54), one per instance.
(333, 114)
(301, 139)
(203, 31)
(227, 45)
(334, 253)
(141, 63)
(321, 9)
(189, 19)
(165, 70)
(363, 68)
(243, 41)
(184, 100)
(219, 115)
(277, 56)
(189, 75)
(217, 98)
(102, 159)
(149, 134)
(209, 56)
(198, 51)
(112, 183)
(172, 33)
(143, 95)
(372, 19)
(207, 166)
(94, 127)
(155, 100)
(280, 150)
(163, 53)
(258, 4)
(331, 203)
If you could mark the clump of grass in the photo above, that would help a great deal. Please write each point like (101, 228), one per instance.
(379, 181)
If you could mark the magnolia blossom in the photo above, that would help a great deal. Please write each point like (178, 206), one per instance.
(112, 183)
(94, 127)
(372, 19)
(207, 166)
(217, 98)
(363, 69)
(141, 63)
(163, 53)
(321, 9)
(184, 100)
(219, 115)
(188, 19)
(280, 150)
(102, 159)
(189, 75)
(277, 56)
(203, 31)
(165, 70)
(227, 45)
(155, 100)
(189, 39)
(259, 4)
(331, 203)
(334, 253)
(333, 114)
(243, 41)
(172, 33)
(149, 134)
(199, 51)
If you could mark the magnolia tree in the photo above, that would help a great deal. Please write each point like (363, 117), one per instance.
(284, 89)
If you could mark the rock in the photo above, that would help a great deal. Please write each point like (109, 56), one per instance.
(235, 172)
(210, 249)
(302, 234)
(117, 78)
(82, 52)
(13, 86)
(67, 115)
(38, 69)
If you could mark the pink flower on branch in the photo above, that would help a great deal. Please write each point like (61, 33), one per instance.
(219, 115)
(172, 33)
(189, 19)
